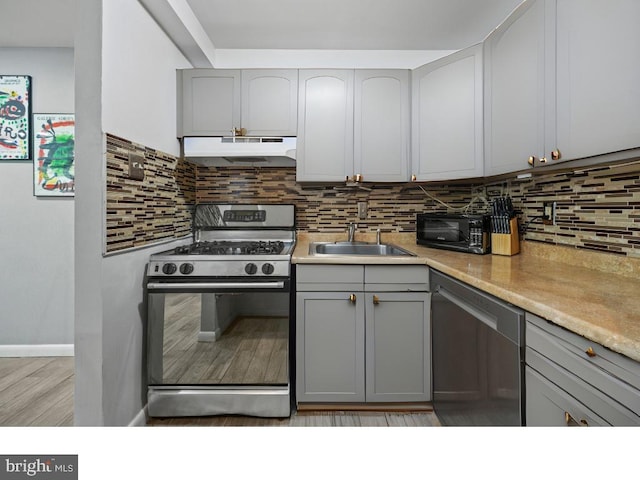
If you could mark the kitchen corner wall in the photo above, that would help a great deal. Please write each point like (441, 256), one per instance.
(142, 212)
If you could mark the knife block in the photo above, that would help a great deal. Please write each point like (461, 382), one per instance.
(506, 243)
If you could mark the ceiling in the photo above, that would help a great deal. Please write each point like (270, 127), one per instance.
(350, 24)
(281, 24)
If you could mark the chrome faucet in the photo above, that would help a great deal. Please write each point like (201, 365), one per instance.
(378, 236)
(352, 231)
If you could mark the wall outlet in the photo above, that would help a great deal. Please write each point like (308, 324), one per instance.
(362, 210)
(549, 213)
(136, 167)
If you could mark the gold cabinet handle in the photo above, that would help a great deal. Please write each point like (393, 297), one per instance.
(531, 161)
(376, 300)
(413, 178)
(556, 155)
(352, 298)
(589, 351)
(572, 422)
(543, 160)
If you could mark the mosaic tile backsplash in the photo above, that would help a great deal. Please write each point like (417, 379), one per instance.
(598, 209)
(327, 208)
(141, 212)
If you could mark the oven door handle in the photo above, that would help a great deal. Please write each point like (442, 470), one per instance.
(214, 285)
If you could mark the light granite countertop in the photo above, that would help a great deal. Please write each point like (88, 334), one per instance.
(593, 294)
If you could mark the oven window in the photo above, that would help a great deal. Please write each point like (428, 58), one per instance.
(219, 339)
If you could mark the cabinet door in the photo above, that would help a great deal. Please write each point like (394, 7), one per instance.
(270, 102)
(381, 125)
(330, 347)
(325, 125)
(515, 90)
(398, 347)
(598, 76)
(447, 117)
(210, 102)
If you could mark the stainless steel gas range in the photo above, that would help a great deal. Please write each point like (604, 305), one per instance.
(218, 315)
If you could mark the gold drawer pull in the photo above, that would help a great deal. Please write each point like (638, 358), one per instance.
(376, 300)
(352, 298)
(589, 351)
(572, 422)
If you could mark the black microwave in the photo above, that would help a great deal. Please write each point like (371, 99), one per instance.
(462, 233)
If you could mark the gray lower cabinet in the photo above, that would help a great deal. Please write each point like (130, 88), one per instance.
(330, 347)
(397, 346)
(574, 382)
(357, 340)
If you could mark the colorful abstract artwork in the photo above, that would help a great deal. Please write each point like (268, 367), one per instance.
(15, 116)
(53, 165)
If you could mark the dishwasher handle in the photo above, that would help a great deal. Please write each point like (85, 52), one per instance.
(481, 315)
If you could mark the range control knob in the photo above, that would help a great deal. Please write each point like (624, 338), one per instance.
(251, 268)
(169, 268)
(186, 268)
(267, 269)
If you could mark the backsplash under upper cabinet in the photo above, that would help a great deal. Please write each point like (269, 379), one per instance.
(597, 209)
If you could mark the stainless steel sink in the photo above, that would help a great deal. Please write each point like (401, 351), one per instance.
(357, 248)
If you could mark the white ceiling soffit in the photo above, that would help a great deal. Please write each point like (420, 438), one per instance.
(199, 27)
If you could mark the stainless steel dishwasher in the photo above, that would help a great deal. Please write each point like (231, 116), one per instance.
(477, 356)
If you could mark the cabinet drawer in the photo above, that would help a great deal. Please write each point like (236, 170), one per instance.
(602, 403)
(611, 373)
(329, 278)
(397, 278)
(550, 406)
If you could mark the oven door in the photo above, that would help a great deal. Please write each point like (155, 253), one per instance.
(218, 346)
(231, 332)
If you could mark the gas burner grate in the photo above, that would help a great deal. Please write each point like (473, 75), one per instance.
(232, 248)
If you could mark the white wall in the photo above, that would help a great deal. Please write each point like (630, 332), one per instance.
(139, 80)
(36, 233)
(129, 91)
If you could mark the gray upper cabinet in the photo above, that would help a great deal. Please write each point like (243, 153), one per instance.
(381, 125)
(447, 132)
(270, 102)
(208, 102)
(325, 125)
(214, 102)
(598, 76)
(353, 123)
(515, 90)
(560, 83)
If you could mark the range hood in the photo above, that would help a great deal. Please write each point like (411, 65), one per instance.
(241, 151)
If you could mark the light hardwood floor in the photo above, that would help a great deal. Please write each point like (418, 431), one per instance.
(36, 391)
(309, 419)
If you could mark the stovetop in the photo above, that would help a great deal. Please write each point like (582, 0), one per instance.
(232, 241)
(230, 247)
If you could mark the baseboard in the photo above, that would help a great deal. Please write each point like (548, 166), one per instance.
(55, 350)
(304, 408)
(140, 420)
